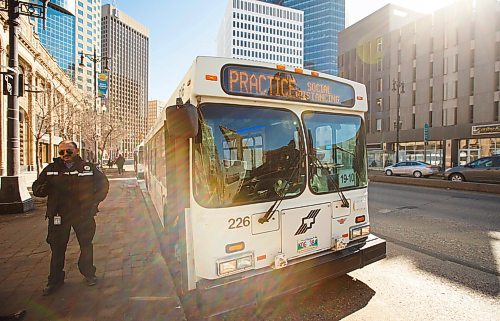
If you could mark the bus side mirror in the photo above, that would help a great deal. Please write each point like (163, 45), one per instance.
(182, 121)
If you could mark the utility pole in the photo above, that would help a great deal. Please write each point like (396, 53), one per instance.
(95, 59)
(14, 196)
(399, 88)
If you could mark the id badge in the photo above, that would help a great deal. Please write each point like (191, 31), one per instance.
(57, 220)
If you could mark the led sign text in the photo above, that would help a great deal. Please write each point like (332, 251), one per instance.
(277, 84)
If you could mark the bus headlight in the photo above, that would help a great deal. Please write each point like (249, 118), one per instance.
(227, 267)
(360, 231)
(235, 264)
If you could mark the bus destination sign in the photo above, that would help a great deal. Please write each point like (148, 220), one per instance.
(279, 84)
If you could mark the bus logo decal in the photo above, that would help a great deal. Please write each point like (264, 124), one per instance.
(308, 221)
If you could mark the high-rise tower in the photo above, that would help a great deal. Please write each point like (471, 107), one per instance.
(126, 41)
(323, 20)
(263, 32)
(59, 35)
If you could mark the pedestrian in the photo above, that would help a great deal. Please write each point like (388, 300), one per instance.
(110, 163)
(120, 161)
(74, 189)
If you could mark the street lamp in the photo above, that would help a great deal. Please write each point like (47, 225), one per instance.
(399, 87)
(95, 59)
(14, 196)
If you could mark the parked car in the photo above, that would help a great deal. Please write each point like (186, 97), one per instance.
(486, 169)
(411, 168)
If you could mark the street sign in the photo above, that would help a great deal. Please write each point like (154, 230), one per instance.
(426, 132)
(8, 84)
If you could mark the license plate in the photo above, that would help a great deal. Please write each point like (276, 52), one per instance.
(308, 244)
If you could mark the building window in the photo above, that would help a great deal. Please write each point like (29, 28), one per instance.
(430, 118)
(431, 69)
(471, 114)
(471, 86)
(379, 84)
(455, 63)
(496, 111)
(379, 125)
(379, 104)
(445, 66)
(380, 44)
(497, 81)
(472, 59)
(379, 64)
(431, 94)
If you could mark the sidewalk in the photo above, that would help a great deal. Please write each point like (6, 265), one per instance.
(133, 280)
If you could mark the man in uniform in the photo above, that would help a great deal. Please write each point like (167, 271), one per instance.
(74, 189)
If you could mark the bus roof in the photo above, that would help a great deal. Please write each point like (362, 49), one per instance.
(240, 79)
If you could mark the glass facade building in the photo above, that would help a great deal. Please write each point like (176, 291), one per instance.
(323, 20)
(59, 35)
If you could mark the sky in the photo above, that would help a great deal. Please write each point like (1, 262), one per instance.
(181, 30)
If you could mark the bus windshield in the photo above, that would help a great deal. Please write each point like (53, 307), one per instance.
(338, 151)
(247, 155)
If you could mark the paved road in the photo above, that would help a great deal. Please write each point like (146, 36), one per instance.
(443, 258)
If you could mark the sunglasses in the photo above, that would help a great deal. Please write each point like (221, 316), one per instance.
(68, 151)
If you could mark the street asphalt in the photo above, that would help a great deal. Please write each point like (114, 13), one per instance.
(133, 280)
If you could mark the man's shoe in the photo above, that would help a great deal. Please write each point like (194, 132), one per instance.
(51, 288)
(91, 280)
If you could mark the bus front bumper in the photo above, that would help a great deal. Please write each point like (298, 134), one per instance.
(226, 294)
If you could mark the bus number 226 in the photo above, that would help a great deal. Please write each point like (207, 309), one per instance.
(239, 222)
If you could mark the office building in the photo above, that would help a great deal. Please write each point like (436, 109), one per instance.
(449, 63)
(323, 20)
(88, 39)
(262, 32)
(73, 27)
(58, 37)
(154, 109)
(41, 127)
(127, 41)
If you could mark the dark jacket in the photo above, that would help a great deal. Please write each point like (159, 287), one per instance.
(120, 161)
(71, 191)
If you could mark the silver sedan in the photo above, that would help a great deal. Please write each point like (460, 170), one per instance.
(412, 168)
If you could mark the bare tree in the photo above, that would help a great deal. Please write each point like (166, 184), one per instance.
(51, 114)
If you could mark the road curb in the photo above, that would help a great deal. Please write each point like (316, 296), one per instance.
(436, 183)
(155, 221)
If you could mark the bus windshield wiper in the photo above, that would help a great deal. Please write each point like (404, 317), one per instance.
(343, 150)
(318, 163)
(270, 212)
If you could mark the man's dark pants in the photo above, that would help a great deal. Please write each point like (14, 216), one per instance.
(58, 237)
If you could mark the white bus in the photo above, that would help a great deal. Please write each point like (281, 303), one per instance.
(258, 174)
